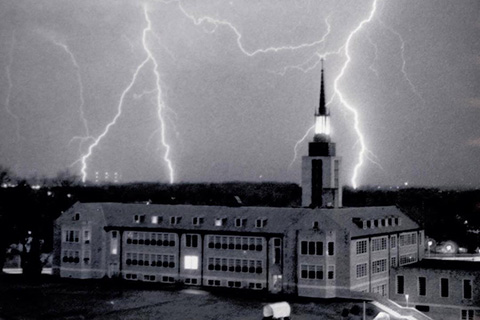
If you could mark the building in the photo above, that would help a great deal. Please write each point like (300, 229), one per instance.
(442, 289)
(318, 250)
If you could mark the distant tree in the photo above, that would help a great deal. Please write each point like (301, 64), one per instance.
(65, 178)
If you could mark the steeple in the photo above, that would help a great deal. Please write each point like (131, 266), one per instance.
(322, 109)
(321, 186)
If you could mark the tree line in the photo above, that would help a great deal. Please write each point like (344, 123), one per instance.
(29, 208)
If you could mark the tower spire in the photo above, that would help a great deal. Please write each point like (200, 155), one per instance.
(322, 109)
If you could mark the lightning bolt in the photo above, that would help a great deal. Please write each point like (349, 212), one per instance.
(343, 101)
(404, 61)
(160, 103)
(160, 106)
(238, 35)
(10, 86)
(308, 65)
(375, 47)
(81, 93)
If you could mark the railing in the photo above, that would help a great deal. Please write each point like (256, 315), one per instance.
(389, 306)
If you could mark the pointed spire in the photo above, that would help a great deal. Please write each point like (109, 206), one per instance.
(322, 109)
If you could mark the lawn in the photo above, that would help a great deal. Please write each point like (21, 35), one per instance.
(53, 298)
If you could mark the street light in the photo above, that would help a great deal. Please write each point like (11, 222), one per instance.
(406, 298)
(430, 242)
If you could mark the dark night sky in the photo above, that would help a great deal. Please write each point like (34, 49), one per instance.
(231, 116)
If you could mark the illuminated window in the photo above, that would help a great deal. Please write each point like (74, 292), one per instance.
(114, 243)
(220, 222)
(191, 262)
(154, 219)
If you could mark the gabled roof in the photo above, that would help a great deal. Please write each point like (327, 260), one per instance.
(346, 217)
(278, 220)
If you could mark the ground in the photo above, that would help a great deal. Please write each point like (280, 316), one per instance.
(53, 298)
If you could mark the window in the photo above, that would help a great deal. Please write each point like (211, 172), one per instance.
(277, 251)
(175, 220)
(261, 223)
(156, 219)
(408, 239)
(86, 236)
(311, 248)
(76, 216)
(393, 242)
(196, 221)
(114, 243)
(71, 236)
(467, 289)
(408, 258)
(379, 266)
(361, 270)
(468, 314)
(331, 272)
(400, 285)
(315, 225)
(139, 218)
(191, 240)
(191, 262)
(312, 272)
(220, 222)
(422, 286)
(361, 246)
(86, 257)
(444, 287)
(379, 244)
(240, 222)
(331, 248)
(393, 261)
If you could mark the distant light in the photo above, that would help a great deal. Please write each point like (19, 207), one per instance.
(191, 262)
(69, 195)
(430, 243)
(35, 187)
(49, 193)
(449, 248)
(406, 183)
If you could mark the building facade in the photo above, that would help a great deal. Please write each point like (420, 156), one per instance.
(318, 250)
(442, 289)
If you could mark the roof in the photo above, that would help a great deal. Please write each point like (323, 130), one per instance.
(278, 220)
(445, 265)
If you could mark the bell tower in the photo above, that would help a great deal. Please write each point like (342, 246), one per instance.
(321, 187)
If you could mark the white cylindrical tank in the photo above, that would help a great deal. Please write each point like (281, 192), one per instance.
(277, 310)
